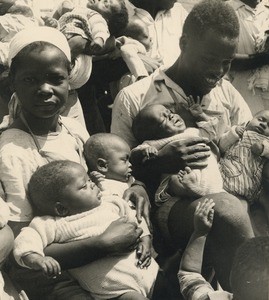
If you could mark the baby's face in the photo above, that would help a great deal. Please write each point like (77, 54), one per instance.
(145, 39)
(103, 6)
(80, 194)
(118, 164)
(168, 123)
(260, 123)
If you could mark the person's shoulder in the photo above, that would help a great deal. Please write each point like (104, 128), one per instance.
(14, 137)
(75, 127)
(136, 90)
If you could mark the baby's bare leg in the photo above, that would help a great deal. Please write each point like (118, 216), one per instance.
(132, 296)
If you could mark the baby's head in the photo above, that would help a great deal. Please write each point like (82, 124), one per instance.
(108, 154)
(138, 30)
(156, 122)
(62, 188)
(260, 123)
(114, 11)
(250, 271)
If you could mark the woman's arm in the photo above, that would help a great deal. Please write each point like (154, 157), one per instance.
(120, 237)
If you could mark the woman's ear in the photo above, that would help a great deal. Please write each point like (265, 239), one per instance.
(60, 209)
(102, 165)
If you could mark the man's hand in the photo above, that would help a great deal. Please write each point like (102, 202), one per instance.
(120, 237)
(138, 195)
(192, 152)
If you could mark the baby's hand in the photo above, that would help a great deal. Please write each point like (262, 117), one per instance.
(149, 153)
(240, 130)
(195, 107)
(47, 264)
(97, 178)
(49, 21)
(203, 216)
(143, 252)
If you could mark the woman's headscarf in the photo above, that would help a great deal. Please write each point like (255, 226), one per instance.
(38, 34)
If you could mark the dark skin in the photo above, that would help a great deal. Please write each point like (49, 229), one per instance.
(244, 62)
(153, 6)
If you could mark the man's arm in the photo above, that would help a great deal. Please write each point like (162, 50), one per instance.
(244, 62)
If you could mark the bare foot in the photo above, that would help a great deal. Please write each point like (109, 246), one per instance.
(191, 182)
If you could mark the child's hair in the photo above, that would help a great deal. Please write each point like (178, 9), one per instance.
(117, 19)
(215, 15)
(143, 127)
(37, 47)
(250, 271)
(46, 185)
(97, 146)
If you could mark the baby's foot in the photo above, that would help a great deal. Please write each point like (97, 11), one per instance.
(191, 182)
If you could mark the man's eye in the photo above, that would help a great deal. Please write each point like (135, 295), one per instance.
(29, 80)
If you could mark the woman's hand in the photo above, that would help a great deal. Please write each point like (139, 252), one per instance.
(192, 152)
(138, 195)
(120, 237)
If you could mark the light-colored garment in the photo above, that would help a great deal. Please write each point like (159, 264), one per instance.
(242, 169)
(193, 286)
(223, 102)
(209, 179)
(85, 22)
(165, 30)
(115, 187)
(10, 24)
(105, 278)
(253, 23)
(19, 159)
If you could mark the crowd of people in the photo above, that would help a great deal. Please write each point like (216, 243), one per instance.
(133, 150)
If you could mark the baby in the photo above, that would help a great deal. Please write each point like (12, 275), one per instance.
(70, 208)
(156, 126)
(245, 153)
(108, 156)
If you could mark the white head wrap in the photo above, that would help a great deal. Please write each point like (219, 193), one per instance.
(38, 34)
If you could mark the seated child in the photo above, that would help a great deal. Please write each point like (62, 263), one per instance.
(245, 153)
(107, 155)
(155, 126)
(250, 270)
(70, 208)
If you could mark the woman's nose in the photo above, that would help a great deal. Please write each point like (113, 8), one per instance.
(45, 89)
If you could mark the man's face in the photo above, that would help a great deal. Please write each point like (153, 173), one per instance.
(206, 60)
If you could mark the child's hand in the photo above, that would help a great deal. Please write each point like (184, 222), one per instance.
(143, 252)
(203, 216)
(47, 264)
(49, 21)
(97, 178)
(195, 107)
(77, 45)
(149, 153)
(240, 130)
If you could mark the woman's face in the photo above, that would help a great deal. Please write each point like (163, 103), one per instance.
(41, 82)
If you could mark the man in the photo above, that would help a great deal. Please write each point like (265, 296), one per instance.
(208, 45)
